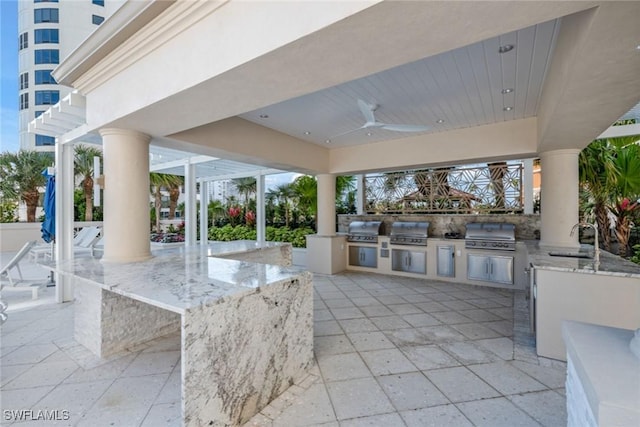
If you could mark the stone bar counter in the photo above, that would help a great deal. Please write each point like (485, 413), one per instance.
(245, 318)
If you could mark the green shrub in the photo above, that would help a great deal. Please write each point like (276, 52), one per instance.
(636, 254)
(8, 211)
(272, 234)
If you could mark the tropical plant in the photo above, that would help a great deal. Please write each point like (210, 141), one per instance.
(286, 193)
(610, 172)
(83, 168)
(246, 187)
(174, 182)
(8, 209)
(21, 177)
(158, 182)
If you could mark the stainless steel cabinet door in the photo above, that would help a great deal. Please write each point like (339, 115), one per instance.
(477, 267)
(409, 261)
(417, 262)
(501, 269)
(363, 256)
(446, 261)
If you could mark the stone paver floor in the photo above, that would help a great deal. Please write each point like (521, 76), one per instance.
(389, 351)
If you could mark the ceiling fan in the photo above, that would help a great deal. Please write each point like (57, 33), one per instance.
(371, 123)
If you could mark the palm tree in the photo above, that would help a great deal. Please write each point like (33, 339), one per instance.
(627, 163)
(158, 182)
(21, 177)
(305, 188)
(610, 171)
(174, 182)
(285, 193)
(597, 174)
(83, 167)
(246, 187)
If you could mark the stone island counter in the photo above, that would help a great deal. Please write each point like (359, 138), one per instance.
(246, 327)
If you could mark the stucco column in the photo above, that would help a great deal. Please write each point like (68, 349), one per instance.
(527, 185)
(559, 197)
(204, 212)
(64, 217)
(326, 220)
(261, 223)
(190, 202)
(126, 195)
(360, 196)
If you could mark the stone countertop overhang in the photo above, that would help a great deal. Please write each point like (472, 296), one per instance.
(177, 279)
(609, 265)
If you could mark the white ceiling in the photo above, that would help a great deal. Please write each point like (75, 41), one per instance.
(463, 87)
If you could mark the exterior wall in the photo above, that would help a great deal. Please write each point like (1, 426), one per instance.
(74, 25)
(527, 226)
(15, 235)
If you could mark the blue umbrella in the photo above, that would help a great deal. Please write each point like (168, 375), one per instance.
(49, 205)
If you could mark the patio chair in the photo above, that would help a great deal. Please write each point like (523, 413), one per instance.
(82, 243)
(19, 283)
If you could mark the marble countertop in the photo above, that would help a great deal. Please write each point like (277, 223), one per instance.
(179, 278)
(610, 265)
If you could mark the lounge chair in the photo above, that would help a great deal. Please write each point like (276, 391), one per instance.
(82, 243)
(19, 283)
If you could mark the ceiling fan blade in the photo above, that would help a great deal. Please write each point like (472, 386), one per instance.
(346, 133)
(404, 128)
(367, 111)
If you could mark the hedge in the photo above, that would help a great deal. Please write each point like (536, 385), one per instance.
(272, 234)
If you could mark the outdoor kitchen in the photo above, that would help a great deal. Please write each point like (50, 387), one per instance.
(487, 253)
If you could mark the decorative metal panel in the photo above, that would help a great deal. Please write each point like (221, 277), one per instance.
(495, 188)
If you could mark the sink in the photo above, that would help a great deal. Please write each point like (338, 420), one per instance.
(572, 254)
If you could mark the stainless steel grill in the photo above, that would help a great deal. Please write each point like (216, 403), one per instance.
(364, 231)
(409, 233)
(492, 236)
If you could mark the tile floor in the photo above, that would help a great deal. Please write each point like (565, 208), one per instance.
(390, 351)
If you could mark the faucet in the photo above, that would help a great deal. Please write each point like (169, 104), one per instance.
(596, 254)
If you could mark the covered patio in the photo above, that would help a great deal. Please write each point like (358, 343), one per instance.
(444, 83)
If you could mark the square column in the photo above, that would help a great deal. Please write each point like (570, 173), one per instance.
(126, 195)
(326, 250)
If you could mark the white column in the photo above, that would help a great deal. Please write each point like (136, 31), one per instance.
(126, 195)
(64, 216)
(190, 204)
(559, 197)
(204, 212)
(360, 195)
(260, 210)
(326, 220)
(527, 185)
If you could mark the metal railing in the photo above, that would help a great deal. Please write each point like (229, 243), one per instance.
(495, 188)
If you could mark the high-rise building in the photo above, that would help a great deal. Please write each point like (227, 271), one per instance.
(48, 30)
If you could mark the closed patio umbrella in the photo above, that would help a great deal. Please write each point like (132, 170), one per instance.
(49, 224)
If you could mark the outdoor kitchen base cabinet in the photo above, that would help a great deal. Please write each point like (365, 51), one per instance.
(409, 261)
(363, 256)
(490, 268)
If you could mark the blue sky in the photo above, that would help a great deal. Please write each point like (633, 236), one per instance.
(9, 76)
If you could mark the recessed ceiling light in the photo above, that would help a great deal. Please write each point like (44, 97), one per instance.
(306, 132)
(508, 108)
(508, 90)
(327, 141)
(440, 121)
(505, 48)
(264, 116)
